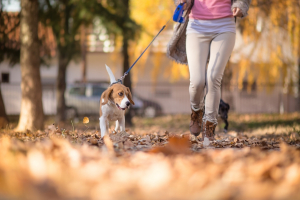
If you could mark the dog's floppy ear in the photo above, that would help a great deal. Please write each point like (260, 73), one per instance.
(105, 95)
(129, 96)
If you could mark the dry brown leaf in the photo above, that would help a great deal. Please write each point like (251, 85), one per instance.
(176, 145)
(94, 141)
(128, 144)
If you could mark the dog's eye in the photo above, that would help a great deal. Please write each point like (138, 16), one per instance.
(120, 94)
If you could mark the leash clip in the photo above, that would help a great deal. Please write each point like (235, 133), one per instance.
(122, 77)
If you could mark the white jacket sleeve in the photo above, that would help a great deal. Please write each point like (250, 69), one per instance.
(243, 5)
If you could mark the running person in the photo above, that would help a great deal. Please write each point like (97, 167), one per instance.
(210, 36)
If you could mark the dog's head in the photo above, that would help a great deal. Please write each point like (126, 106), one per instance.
(119, 94)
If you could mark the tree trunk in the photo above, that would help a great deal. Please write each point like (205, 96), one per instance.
(61, 88)
(127, 80)
(299, 81)
(83, 53)
(31, 115)
(3, 116)
(63, 60)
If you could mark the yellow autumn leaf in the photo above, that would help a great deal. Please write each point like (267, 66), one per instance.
(86, 120)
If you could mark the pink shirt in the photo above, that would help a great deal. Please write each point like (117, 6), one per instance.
(211, 9)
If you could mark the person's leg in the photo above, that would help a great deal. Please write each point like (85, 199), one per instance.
(197, 47)
(220, 51)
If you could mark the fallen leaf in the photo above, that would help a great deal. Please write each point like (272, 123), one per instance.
(128, 144)
(176, 145)
(264, 143)
(86, 120)
(94, 141)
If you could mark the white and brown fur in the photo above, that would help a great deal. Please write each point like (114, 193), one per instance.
(113, 103)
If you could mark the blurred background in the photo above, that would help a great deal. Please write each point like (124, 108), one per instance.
(52, 73)
(78, 37)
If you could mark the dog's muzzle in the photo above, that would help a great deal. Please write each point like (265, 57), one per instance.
(127, 105)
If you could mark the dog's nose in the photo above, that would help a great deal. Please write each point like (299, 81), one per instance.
(127, 103)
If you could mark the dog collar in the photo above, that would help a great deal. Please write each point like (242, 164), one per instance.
(118, 81)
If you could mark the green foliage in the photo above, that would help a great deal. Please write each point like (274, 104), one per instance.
(113, 15)
(65, 18)
(61, 17)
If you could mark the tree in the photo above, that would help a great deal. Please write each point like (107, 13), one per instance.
(9, 48)
(273, 28)
(126, 33)
(83, 53)
(31, 115)
(115, 17)
(61, 17)
(3, 116)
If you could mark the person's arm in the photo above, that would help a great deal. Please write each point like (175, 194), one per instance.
(240, 8)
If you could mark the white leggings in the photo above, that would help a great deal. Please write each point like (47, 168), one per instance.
(218, 48)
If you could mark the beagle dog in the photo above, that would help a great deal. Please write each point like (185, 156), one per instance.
(113, 103)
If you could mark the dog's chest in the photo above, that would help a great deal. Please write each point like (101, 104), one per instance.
(114, 116)
(113, 113)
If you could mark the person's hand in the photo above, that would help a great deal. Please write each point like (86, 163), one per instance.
(183, 1)
(237, 12)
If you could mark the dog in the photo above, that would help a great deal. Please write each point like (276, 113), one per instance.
(223, 113)
(113, 103)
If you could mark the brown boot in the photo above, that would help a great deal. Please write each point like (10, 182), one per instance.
(196, 122)
(209, 131)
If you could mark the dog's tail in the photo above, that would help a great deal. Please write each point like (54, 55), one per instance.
(111, 75)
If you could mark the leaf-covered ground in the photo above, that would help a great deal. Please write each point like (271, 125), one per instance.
(258, 158)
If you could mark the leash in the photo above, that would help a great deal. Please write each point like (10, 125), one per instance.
(177, 17)
(126, 73)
